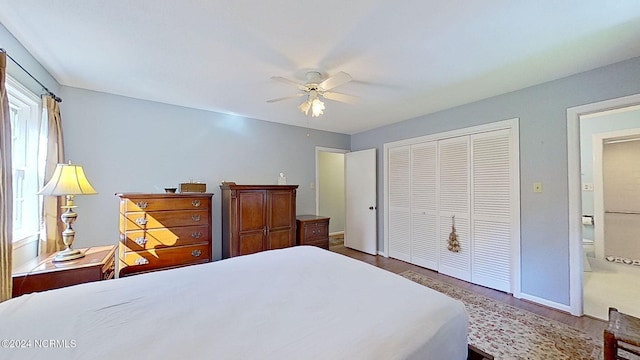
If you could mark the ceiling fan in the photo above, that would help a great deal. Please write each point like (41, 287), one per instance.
(315, 88)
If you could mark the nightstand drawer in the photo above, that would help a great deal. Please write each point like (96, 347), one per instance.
(155, 259)
(163, 219)
(319, 243)
(159, 238)
(316, 231)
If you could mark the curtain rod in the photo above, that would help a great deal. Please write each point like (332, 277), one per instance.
(54, 96)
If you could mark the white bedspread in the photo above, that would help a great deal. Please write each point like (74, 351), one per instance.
(296, 303)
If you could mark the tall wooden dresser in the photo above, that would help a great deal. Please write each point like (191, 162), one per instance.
(257, 218)
(162, 231)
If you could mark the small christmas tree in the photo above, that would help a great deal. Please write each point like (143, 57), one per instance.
(454, 244)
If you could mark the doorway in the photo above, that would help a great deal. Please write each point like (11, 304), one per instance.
(610, 194)
(584, 125)
(330, 190)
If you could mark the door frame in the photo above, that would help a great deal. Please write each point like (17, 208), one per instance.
(574, 191)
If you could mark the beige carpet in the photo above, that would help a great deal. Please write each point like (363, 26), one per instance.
(507, 332)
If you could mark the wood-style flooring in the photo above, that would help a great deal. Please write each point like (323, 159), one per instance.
(592, 326)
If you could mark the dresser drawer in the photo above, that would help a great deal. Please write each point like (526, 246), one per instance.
(163, 219)
(153, 259)
(177, 203)
(316, 231)
(158, 238)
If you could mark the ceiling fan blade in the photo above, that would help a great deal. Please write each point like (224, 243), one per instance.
(285, 98)
(349, 99)
(289, 82)
(335, 80)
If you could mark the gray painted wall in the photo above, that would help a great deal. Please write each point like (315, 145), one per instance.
(22, 56)
(131, 145)
(543, 158)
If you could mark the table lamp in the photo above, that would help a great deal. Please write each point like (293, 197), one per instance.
(68, 180)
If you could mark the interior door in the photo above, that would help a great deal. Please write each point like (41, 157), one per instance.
(360, 198)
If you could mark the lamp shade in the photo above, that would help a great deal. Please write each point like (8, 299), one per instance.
(68, 179)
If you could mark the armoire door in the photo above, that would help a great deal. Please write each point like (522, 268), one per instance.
(281, 216)
(252, 221)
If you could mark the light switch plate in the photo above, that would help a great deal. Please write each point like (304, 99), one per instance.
(587, 187)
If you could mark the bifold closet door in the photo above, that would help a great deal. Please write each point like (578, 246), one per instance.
(424, 205)
(399, 232)
(454, 199)
(491, 197)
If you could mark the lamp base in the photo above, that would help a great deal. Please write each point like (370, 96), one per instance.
(68, 254)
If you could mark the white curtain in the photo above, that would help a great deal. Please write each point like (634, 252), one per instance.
(51, 229)
(6, 187)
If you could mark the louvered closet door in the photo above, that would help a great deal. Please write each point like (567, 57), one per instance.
(454, 206)
(491, 196)
(399, 172)
(424, 205)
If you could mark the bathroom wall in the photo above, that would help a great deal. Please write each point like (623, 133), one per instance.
(621, 175)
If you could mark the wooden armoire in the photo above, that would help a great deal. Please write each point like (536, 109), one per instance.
(257, 218)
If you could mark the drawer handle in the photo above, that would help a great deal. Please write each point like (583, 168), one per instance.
(196, 235)
(196, 253)
(142, 261)
(142, 204)
(141, 241)
(195, 217)
(141, 221)
(195, 203)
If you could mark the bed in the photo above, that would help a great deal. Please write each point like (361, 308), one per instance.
(297, 303)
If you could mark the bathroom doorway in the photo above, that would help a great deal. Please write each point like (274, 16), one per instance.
(610, 175)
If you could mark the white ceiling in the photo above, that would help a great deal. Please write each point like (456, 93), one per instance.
(407, 58)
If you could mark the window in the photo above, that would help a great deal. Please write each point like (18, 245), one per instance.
(24, 111)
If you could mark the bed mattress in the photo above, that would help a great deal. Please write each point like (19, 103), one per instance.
(297, 303)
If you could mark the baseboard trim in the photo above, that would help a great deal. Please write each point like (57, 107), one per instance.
(545, 302)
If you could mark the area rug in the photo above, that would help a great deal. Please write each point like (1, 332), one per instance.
(507, 332)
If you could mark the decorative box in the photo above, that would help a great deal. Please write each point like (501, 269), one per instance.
(193, 187)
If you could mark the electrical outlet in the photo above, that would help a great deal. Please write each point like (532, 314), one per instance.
(537, 187)
(312, 185)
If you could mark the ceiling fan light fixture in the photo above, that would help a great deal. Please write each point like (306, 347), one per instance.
(314, 89)
(317, 107)
(305, 106)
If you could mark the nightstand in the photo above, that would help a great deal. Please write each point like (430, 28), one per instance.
(313, 230)
(42, 273)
